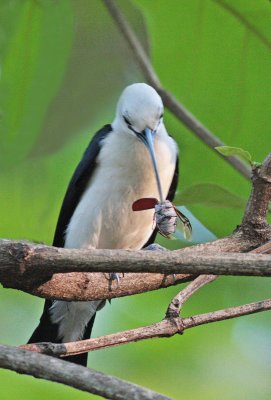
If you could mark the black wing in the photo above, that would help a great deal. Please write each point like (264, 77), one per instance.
(78, 184)
(174, 183)
(46, 331)
(170, 197)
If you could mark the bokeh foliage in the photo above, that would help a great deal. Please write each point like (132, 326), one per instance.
(63, 65)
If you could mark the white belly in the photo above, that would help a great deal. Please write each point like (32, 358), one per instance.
(104, 216)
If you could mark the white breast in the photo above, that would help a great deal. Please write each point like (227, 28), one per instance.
(104, 216)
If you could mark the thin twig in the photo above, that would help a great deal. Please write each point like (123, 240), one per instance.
(178, 301)
(228, 313)
(134, 43)
(246, 22)
(166, 328)
(86, 379)
(186, 117)
(264, 249)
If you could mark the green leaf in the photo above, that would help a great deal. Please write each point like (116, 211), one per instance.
(256, 164)
(235, 151)
(209, 195)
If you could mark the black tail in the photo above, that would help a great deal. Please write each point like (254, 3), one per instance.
(46, 331)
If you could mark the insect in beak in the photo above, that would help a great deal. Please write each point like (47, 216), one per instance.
(165, 216)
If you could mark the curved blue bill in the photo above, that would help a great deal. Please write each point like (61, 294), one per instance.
(147, 138)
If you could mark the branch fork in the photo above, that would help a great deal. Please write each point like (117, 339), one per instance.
(171, 325)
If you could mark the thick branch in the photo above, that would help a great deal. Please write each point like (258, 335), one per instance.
(30, 267)
(254, 220)
(171, 325)
(39, 269)
(189, 120)
(86, 379)
(46, 260)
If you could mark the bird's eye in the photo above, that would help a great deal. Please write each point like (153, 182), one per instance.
(126, 120)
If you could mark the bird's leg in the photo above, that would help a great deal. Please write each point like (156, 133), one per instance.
(155, 247)
(114, 276)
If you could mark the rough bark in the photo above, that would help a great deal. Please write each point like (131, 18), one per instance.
(166, 328)
(86, 379)
(41, 270)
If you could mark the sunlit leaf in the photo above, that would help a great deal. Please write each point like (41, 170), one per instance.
(235, 151)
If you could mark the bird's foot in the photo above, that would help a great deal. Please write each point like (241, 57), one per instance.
(114, 276)
(155, 247)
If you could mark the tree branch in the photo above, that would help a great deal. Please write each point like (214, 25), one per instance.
(253, 263)
(178, 301)
(169, 326)
(189, 120)
(254, 221)
(246, 22)
(49, 272)
(34, 264)
(86, 379)
(166, 328)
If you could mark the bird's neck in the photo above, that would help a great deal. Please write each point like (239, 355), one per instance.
(120, 127)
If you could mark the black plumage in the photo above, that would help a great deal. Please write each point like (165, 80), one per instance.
(78, 184)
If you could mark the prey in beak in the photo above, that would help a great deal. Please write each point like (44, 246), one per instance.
(166, 214)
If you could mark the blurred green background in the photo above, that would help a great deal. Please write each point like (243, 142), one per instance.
(63, 65)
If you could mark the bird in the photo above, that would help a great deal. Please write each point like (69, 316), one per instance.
(133, 157)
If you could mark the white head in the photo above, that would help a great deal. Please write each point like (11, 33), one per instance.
(140, 113)
(139, 107)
